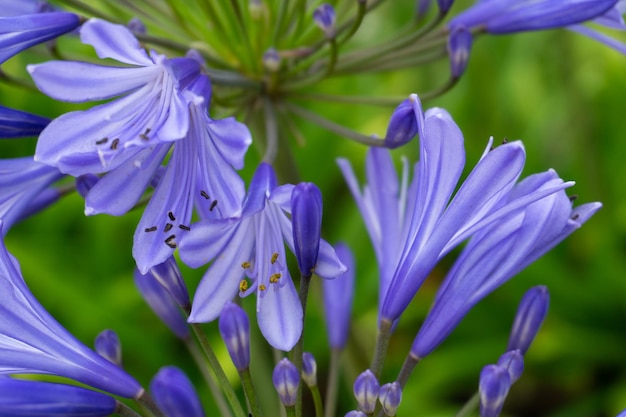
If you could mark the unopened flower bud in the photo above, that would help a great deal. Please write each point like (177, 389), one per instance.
(306, 218)
(136, 26)
(169, 276)
(36, 398)
(162, 303)
(493, 387)
(235, 330)
(309, 369)
(402, 126)
(390, 397)
(531, 312)
(286, 380)
(459, 47)
(444, 5)
(324, 18)
(366, 389)
(355, 413)
(108, 346)
(271, 60)
(513, 362)
(174, 393)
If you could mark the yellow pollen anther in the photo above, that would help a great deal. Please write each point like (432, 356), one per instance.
(262, 287)
(274, 278)
(274, 258)
(243, 285)
(245, 265)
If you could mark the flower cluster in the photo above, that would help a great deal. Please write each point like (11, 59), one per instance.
(151, 140)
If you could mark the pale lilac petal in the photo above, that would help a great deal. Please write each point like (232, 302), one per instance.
(231, 138)
(78, 82)
(206, 240)
(114, 41)
(220, 283)
(171, 204)
(119, 190)
(262, 184)
(280, 316)
(600, 37)
(328, 263)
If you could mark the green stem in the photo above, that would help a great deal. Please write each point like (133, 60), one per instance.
(333, 383)
(303, 293)
(439, 91)
(148, 403)
(271, 131)
(317, 401)
(291, 411)
(357, 22)
(469, 406)
(334, 127)
(125, 411)
(229, 392)
(79, 5)
(382, 342)
(248, 388)
(216, 393)
(407, 367)
(372, 101)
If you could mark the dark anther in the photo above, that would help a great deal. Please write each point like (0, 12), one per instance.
(114, 144)
(170, 241)
(575, 217)
(204, 194)
(213, 204)
(168, 227)
(171, 216)
(102, 141)
(573, 197)
(491, 148)
(144, 135)
(183, 227)
(150, 229)
(505, 141)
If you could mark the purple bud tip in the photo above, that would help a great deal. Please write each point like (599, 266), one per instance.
(306, 218)
(459, 47)
(324, 18)
(493, 387)
(169, 276)
(84, 183)
(108, 346)
(235, 330)
(444, 5)
(174, 393)
(271, 60)
(136, 26)
(402, 126)
(513, 362)
(355, 413)
(366, 389)
(390, 397)
(286, 380)
(531, 312)
(309, 369)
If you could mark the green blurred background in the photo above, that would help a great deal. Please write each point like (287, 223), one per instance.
(559, 92)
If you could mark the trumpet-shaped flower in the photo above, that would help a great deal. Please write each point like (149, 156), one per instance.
(248, 254)
(413, 226)
(164, 101)
(500, 251)
(31, 341)
(21, 32)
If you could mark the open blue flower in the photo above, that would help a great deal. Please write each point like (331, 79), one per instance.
(248, 254)
(32, 341)
(165, 103)
(413, 226)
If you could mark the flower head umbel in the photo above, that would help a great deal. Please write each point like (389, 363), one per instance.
(249, 256)
(31, 341)
(500, 251)
(163, 101)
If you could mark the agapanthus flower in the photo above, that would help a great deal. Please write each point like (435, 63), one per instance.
(12, 8)
(505, 16)
(163, 101)
(31, 341)
(500, 251)
(413, 226)
(248, 254)
(22, 398)
(612, 19)
(22, 183)
(21, 32)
